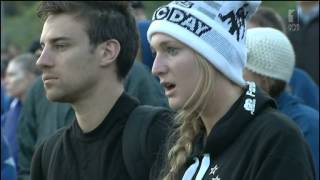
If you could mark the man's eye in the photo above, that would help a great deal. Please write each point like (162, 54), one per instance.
(60, 46)
(172, 51)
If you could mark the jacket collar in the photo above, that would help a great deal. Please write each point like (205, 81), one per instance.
(242, 112)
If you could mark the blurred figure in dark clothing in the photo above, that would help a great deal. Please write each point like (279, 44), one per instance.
(303, 31)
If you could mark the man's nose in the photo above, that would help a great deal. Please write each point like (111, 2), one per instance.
(45, 59)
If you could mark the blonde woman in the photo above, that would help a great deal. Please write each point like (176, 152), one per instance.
(226, 128)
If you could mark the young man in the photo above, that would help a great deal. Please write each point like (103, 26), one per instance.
(84, 60)
(40, 118)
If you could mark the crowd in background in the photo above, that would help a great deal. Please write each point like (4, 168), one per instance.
(27, 117)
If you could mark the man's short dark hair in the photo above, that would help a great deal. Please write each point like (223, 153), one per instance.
(104, 20)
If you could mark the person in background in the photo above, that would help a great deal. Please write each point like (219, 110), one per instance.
(20, 75)
(35, 48)
(303, 32)
(39, 119)
(270, 65)
(144, 53)
(5, 99)
(145, 50)
(138, 10)
(304, 87)
(8, 167)
(301, 84)
(226, 128)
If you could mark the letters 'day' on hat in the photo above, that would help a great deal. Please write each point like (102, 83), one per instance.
(214, 29)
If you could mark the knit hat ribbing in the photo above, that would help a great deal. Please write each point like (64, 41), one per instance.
(270, 53)
(214, 29)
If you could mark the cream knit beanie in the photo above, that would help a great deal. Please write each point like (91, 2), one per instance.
(214, 29)
(270, 53)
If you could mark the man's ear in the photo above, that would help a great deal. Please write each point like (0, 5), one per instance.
(109, 51)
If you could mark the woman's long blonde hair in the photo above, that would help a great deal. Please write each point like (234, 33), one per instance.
(188, 122)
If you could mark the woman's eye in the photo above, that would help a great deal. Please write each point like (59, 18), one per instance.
(172, 51)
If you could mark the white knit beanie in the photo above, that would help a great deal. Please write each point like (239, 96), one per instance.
(214, 29)
(270, 53)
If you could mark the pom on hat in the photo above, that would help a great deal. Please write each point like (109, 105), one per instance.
(270, 53)
(214, 29)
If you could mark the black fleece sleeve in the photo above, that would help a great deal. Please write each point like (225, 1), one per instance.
(288, 157)
(36, 165)
(157, 138)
